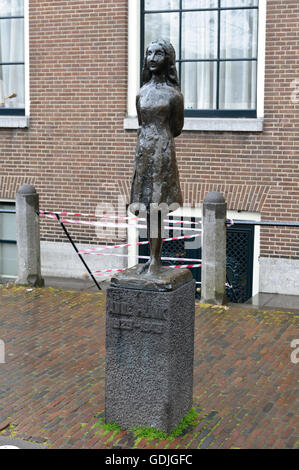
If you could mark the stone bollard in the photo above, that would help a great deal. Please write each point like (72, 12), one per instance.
(213, 274)
(28, 237)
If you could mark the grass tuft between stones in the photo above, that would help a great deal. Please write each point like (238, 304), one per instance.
(150, 434)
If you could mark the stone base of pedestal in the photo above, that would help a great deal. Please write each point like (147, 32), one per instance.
(149, 356)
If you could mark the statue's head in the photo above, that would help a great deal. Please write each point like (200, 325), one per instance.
(164, 62)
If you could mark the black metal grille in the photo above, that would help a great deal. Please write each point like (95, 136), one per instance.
(178, 249)
(239, 260)
(174, 249)
(239, 263)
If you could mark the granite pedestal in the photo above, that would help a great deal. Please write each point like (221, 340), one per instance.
(149, 349)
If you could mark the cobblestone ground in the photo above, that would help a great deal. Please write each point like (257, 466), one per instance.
(52, 384)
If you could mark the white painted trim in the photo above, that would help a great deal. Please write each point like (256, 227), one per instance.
(22, 121)
(280, 276)
(14, 121)
(261, 58)
(194, 124)
(212, 124)
(243, 215)
(26, 55)
(133, 54)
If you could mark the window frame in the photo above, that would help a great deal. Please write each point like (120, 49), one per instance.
(11, 204)
(19, 117)
(206, 122)
(219, 113)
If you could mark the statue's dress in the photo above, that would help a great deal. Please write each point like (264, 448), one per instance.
(160, 109)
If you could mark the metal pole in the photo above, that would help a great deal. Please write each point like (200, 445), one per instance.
(76, 249)
(264, 223)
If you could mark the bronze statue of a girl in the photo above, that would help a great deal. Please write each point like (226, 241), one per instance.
(160, 110)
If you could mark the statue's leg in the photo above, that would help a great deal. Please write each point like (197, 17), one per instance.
(154, 263)
(156, 246)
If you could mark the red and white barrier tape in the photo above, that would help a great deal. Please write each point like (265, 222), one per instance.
(96, 224)
(185, 266)
(121, 255)
(126, 245)
(112, 224)
(53, 215)
(109, 271)
(78, 214)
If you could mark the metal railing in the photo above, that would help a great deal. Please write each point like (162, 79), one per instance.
(269, 223)
(7, 211)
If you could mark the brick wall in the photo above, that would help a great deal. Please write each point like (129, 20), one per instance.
(77, 153)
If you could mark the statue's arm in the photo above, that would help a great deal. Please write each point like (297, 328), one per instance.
(177, 115)
(138, 109)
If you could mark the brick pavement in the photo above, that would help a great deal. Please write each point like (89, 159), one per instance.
(52, 384)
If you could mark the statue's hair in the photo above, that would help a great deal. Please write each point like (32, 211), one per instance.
(170, 71)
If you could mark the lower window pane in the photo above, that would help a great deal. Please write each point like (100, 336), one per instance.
(8, 259)
(162, 26)
(199, 84)
(7, 224)
(12, 81)
(238, 85)
(8, 251)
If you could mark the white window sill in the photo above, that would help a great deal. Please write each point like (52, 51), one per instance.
(210, 124)
(14, 121)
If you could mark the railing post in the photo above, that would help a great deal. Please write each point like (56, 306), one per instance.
(28, 237)
(214, 249)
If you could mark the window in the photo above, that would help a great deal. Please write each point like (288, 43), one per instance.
(12, 58)
(216, 43)
(8, 244)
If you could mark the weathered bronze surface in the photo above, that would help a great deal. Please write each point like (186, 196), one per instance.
(167, 279)
(160, 109)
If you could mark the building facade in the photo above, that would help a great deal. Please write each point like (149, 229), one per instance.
(74, 67)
